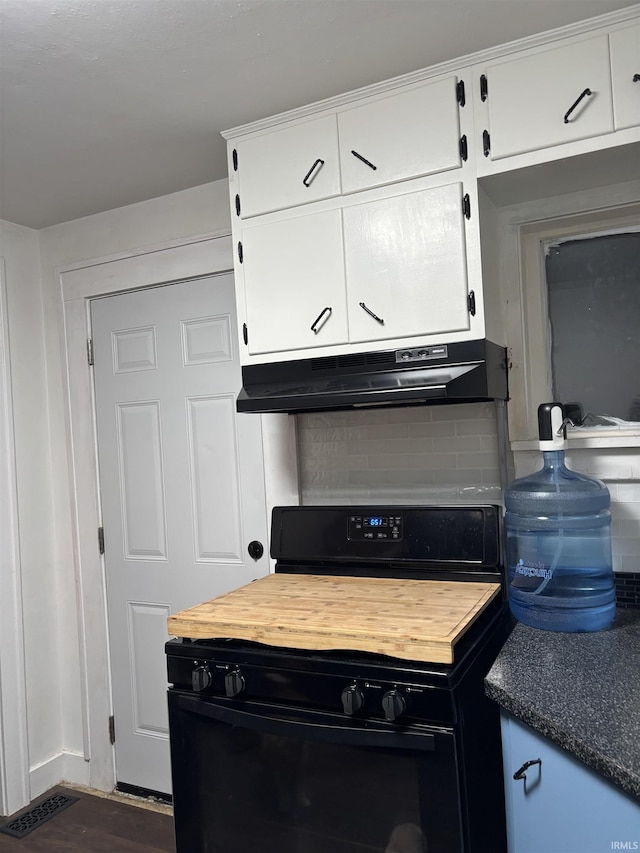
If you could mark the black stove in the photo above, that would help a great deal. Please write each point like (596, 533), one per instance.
(319, 728)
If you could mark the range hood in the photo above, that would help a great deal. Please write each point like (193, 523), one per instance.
(462, 372)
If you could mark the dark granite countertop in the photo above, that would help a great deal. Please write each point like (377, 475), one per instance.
(582, 691)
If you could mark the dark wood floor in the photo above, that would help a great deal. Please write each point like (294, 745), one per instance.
(95, 825)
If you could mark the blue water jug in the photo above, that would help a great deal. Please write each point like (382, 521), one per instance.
(558, 527)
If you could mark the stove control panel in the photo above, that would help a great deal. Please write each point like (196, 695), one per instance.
(375, 528)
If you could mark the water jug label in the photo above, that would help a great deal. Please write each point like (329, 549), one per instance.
(532, 571)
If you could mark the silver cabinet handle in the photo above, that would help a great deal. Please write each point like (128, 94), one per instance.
(315, 328)
(313, 171)
(371, 314)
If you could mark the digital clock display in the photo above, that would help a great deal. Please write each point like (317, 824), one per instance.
(375, 528)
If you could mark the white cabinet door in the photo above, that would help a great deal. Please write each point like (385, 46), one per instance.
(287, 167)
(530, 98)
(400, 136)
(625, 76)
(294, 283)
(406, 265)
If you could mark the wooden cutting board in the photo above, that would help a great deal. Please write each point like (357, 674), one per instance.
(416, 620)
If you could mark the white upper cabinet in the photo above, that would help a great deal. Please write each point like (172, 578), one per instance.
(286, 167)
(293, 271)
(625, 76)
(549, 97)
(399, 136)
(406, 265)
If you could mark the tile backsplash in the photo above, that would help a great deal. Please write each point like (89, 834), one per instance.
(418, 454)
(444, 454)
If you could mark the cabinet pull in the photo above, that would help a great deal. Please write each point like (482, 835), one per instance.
(575, 104)
(636, 78)
(521, 771)
(315, 328)
(312, 171)
(371, 314)
(364, 160)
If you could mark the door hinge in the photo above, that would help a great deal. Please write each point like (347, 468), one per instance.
(245, 334)
(112, 730)
(240, 252)
(237, 205)
(466, 206)
(234, 157)
(101, 539)
(486, 143)
(90, 351)
(471, 303)
(484, 87)
(464, 148)
(460, 96)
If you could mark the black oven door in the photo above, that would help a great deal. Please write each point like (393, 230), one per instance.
(256, 777)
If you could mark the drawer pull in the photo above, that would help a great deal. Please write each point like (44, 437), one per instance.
(371, 314)
(364, 160)
(315, 328)
(312, 173)
(521, 771)
(575, 104)
(636, 78)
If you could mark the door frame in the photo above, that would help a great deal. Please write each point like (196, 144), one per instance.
(161, 265)
(15, 788)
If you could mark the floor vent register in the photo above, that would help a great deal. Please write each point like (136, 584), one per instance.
(34, 817)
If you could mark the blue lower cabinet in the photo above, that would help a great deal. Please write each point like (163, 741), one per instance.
(559, 805)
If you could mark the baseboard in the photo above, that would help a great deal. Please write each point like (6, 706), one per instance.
(64, 767)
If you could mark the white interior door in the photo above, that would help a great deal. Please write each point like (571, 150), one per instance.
(182, 487)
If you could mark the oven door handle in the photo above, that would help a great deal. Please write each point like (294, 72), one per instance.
(323, 728)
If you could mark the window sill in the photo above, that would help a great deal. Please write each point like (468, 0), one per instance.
(591, 437)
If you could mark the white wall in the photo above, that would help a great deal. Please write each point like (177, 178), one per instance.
(57, 730)
(39, 568)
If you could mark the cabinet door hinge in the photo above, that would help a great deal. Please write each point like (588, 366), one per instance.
(234, 157)
(486, 143)
(112, 730)
(245, 334)
(237, 205)
(471, 303)
(90, 351)
(484, 87)
(240, 252)
(460, 95)
(466, 206)
(464, 148)
(101, 539)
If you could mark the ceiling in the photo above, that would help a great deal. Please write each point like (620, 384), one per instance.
(108, 102)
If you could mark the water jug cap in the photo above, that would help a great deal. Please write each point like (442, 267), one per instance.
(551, 428)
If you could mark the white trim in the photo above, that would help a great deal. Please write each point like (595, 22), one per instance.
(462, 63)
(146, 268)
(14, 751)
(66, 766)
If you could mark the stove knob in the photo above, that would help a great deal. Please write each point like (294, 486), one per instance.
(352, 700)
(234, 683)
(201, 678)
(393, 705)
